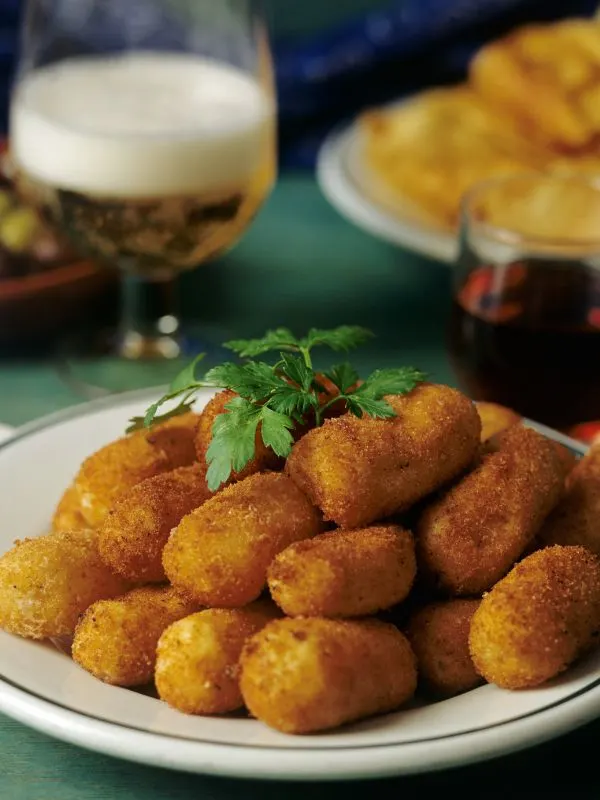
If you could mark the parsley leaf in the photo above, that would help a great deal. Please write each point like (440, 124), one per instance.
(278, 397)
(278, 339)
(233, 439)
(346, 337)
(378, 409)
(275, 431)
(185, 384)
(151, 417)
(186, 378)
(254, 380)
(291, 400)
(344, 376)
(295, 368)
(234, 436)
(390, 381)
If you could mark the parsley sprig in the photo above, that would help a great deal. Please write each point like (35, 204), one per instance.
(279, 396)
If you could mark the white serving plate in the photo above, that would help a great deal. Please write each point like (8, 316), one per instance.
(41, 687)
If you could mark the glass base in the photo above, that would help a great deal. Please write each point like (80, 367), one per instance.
(107, 362)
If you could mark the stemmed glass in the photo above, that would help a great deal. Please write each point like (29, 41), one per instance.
(145, 131)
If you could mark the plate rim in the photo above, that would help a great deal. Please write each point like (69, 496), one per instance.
(272, 763)
(267, 763)
(339, 189)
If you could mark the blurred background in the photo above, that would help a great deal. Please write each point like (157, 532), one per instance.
(302, 262)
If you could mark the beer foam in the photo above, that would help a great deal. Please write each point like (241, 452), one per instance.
(141, 125)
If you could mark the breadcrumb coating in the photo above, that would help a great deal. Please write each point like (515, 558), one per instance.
(344, 573)
(309, 675)
(358, 471)
(472, 535)
(538, 619)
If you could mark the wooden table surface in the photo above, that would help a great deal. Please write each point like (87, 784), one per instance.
(300, 265)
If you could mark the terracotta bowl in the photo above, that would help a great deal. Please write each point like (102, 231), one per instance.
(46, 302)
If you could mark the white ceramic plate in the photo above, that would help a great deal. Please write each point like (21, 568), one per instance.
(43, 688)
(5, 432)
(346, 184)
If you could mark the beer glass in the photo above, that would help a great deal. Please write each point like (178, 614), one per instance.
(145, 130)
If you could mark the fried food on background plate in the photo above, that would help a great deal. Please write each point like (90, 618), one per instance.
(116, 639)
(546, 77)
(123, 463)
(197, 664)
(470, 537)
(431, 149)
(68, 516)
(439, 636)
(495, 418)
(264, 458)
(308, 675)
(576, 519)
(219, 554)
(538, 619)
(344, 573)
(46, 583)
(358, 471)
(133, 534)
(523, 109)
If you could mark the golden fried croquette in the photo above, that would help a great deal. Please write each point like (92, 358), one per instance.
(116, 639)
(538, 619)
(576, 519)
(176, 438)
(308, 675)
(264, 458)
(567, 456)
(472, 535)
(495, 418)
(134, 532)
(118, 466)
(197, 665)
(358, 471)
(344, 573)
(439, 636)
(68, 516)
(46, 583)
(219, 553)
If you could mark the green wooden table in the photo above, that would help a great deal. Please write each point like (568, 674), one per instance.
(300, 265)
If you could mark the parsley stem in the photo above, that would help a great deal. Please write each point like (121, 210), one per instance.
(306, 355)
(321, 410)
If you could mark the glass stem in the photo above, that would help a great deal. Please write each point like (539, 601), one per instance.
(149, 327)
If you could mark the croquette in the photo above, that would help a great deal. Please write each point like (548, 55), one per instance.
(538, 619)
(46, 583)
(116, 639)
(308, 675)
(219, 553)
(576, 519)
(197, 665)
(68, 516)
(118, 466)
(495, 418)
(470, 537)
(439, 635)
(344, 573)
(133, 534)
(360, 470)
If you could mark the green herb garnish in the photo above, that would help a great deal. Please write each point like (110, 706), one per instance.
(278, 396)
